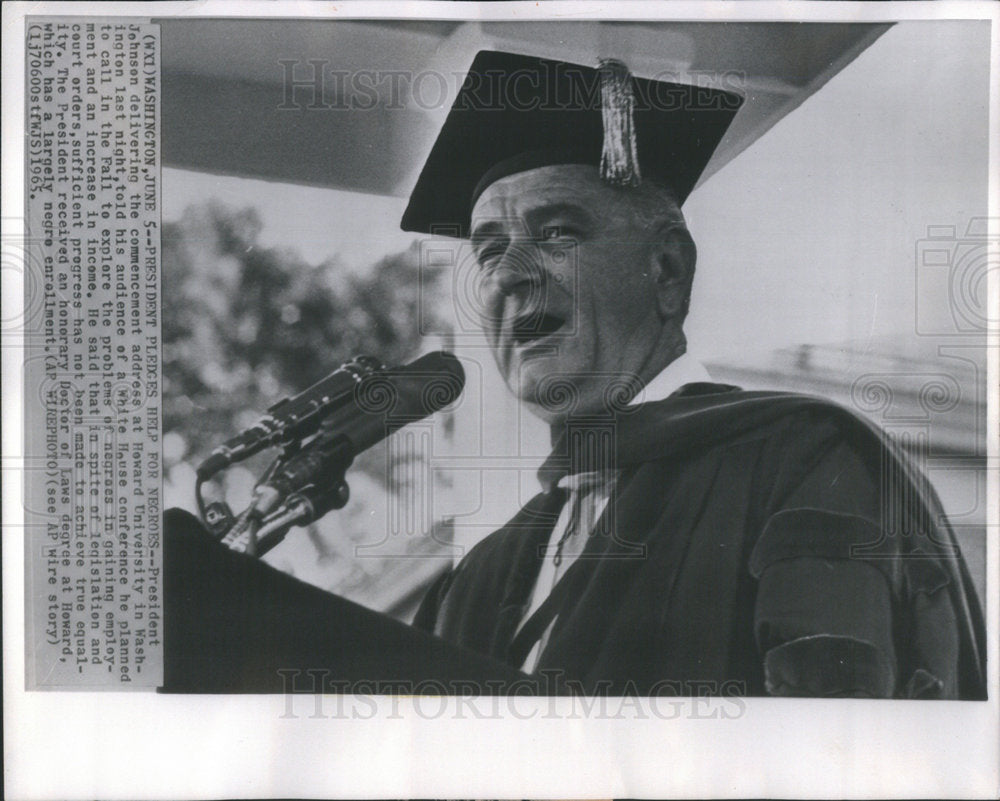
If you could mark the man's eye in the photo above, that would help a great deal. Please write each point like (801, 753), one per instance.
(553, 232)
(489, 253)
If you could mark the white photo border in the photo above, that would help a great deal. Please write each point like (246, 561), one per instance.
(144, 745)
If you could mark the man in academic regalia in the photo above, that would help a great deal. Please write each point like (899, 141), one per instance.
(689, 537)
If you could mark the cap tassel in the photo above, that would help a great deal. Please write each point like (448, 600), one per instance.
(619, 158)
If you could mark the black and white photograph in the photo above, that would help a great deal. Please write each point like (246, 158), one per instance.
(752, 522)
(507, 365)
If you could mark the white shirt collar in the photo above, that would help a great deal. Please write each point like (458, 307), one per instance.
(685, 369)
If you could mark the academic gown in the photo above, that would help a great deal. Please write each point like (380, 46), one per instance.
(755, 543)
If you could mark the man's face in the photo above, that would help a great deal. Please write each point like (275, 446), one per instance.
(569, 287)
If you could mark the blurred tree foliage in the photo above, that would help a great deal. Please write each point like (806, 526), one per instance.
(245, 325)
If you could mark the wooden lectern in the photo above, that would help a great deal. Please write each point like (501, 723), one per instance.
(233, 624)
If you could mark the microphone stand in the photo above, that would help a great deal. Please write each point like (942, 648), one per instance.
(279, 503)
(319, 433)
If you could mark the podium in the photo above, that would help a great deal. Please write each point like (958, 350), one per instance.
(233, 624)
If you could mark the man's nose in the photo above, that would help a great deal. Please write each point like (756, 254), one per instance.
(518, 271)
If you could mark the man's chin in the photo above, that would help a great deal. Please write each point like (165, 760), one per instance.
(532, 380)
(551, 390)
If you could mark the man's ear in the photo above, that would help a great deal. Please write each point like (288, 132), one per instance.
(674, 257)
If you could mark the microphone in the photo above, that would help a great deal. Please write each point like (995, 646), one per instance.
(290, 418)
(380, 403)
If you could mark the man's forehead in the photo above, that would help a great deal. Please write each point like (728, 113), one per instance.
(556, 185)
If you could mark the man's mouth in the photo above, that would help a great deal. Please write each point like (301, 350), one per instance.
(532, 327)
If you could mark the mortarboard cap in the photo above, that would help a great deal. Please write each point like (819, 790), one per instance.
(515, 113)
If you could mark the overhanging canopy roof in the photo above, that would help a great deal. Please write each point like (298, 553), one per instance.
(385, 87)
